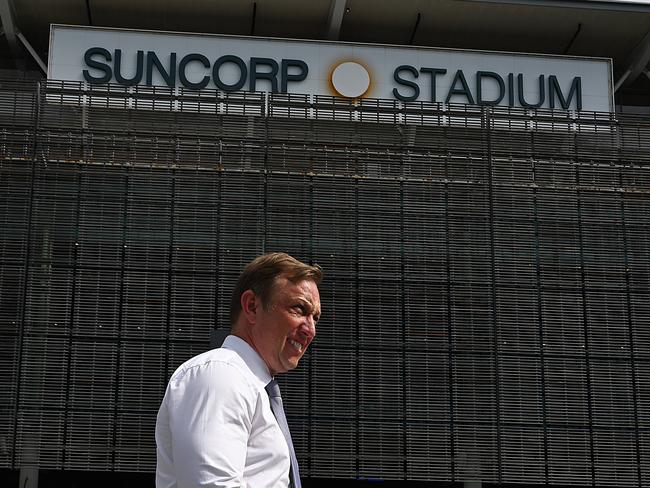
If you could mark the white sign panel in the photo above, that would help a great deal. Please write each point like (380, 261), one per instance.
(230, 63)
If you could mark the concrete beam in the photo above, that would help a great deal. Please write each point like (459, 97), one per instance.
(616, 5)
(9, 26)
(32, 52)
(13, 37)
(335, 19)
(637, 63)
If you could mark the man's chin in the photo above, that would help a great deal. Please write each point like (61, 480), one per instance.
(291, 363)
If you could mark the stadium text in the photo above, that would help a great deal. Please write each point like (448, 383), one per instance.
(232, 73)
(548, 89)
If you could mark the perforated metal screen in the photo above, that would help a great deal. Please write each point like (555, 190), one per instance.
(486, 307)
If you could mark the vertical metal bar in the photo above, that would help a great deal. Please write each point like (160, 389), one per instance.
(217, 275)
(357, 335)
(540, 316)
(310, 364)
(265, 171)
(486, 118)
(170, 266)
(630, 327)
(585, 321)
(450, 329)
(73, 290)
(120, 318)
(403, 311)
(21, 314)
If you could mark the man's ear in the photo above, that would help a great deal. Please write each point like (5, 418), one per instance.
(249, 304)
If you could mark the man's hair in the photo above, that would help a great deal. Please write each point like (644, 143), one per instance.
(260, 274)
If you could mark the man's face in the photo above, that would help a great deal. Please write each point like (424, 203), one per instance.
(286, 326)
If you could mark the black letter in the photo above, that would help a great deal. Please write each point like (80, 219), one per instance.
(520, 89)
(554, 88)
(181, 71)
(103, 67)
(242, 73)
(511, 90)
(168, 76)
(286, 77)
(460, 91)
(410, 84)
(118, 69)
(479, 87)
(433, 72)
(271, 76)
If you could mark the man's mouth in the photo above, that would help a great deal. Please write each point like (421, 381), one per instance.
(296, 344)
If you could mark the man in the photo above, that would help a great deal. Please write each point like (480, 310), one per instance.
(219, 424)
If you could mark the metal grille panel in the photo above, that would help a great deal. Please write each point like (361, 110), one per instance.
(487, 277)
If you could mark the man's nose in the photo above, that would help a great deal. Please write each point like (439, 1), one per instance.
(309, 326)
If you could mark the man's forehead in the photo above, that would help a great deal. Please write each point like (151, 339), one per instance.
(306, 288)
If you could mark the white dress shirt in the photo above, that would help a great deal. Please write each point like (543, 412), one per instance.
(215, 427)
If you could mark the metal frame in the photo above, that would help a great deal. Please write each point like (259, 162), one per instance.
(477, 273)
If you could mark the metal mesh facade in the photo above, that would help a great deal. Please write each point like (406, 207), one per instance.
(486, 306)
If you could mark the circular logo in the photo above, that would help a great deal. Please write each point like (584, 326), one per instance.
(350, 79)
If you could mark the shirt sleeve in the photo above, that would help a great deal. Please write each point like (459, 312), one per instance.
(210, 409)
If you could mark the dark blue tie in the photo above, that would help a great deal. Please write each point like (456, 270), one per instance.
(273, 389)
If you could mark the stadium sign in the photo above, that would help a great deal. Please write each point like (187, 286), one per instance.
(230, 63)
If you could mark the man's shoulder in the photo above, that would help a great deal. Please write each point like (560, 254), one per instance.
(220, 355)
(210, 361)
(217, 378)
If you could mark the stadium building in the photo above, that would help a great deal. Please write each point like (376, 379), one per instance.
(473, 176)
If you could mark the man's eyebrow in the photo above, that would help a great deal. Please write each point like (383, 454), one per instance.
(311, 304)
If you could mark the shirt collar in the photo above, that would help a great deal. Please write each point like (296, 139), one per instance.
(253, 360)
